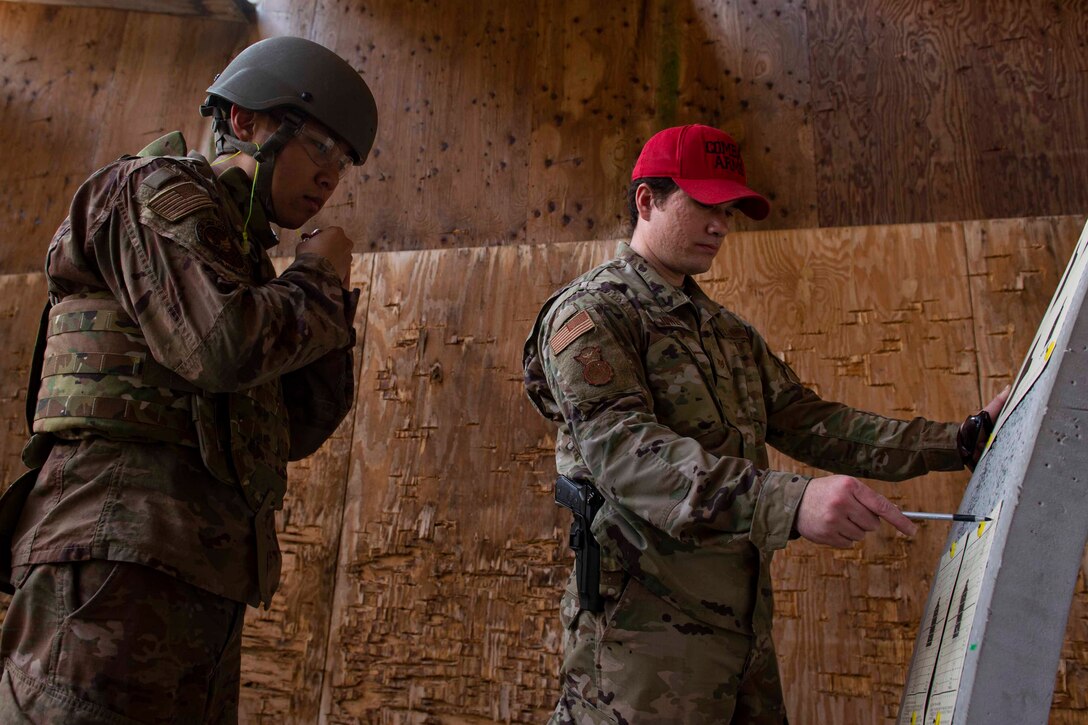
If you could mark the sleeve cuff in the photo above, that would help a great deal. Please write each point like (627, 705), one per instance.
(776, 509)
(941, 453)
(318, 263)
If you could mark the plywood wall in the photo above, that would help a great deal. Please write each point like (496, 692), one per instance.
(518, 122)
(423, 554)
(424, 557)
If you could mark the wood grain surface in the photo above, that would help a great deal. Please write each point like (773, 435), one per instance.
(237, 11)
(935, 111)
(518, 122)
(283, 648)
(107, 83)
(424, 557)
(452, 549)
(22, 298)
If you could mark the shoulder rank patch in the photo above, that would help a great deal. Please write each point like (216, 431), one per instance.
(571, 330)
(180, 200)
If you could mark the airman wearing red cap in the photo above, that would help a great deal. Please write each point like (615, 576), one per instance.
(665, 403)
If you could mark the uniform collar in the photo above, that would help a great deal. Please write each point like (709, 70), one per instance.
(667, 295)
(172, 144)
(239, 187)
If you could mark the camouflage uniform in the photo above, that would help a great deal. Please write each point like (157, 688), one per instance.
(151, 523)
(666, 401)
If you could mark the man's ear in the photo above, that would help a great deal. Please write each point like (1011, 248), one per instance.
(644, 201)
(243, 122)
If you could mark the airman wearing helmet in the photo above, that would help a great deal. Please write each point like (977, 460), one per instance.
(306, 96)
(176, 376)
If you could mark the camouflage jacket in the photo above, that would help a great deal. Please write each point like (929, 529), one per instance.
(667, 401)
(211, 310)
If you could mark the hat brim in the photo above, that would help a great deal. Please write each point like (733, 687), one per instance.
(719, 191)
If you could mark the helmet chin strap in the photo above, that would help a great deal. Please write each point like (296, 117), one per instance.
(264, 154)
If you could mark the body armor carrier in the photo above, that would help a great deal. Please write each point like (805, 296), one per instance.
(99, 378)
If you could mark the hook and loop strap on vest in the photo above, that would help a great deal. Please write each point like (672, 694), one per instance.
(133, 411)
(139, 364)
(91, 321)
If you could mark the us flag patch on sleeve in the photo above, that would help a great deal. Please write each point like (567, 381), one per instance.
(571, 330)
(179, 201)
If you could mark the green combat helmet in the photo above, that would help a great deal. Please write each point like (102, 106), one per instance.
(301, 78)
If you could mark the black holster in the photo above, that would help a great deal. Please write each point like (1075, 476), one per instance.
(584, 502)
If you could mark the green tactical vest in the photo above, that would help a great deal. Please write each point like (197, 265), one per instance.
(99, 378)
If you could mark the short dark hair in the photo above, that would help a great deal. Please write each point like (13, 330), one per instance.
(661, 187)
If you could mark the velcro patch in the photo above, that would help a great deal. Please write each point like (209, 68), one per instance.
(180, 200)
(159, 179)
(595, 369)
(571, 330)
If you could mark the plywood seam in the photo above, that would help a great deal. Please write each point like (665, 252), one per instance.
(971, 307)
(331, 626)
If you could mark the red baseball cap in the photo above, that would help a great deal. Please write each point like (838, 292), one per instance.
(705, 163)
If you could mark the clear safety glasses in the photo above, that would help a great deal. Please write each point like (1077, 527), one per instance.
(324, 151)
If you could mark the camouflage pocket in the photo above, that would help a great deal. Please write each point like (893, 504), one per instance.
(85, 584)
(679, 388)
(211, 439)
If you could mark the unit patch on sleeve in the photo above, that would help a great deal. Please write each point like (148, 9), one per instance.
(595, 370)
(571, 330)
(213, 235)
(180, 200)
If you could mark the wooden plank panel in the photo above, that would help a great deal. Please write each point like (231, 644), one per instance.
(914, 111)
(283, 648)
(945, 111)
(758, 55)
(611, 75)
(123, 81)
(448, 166)
(1015, 266)
(1026, 80)
(888, 104)
(453, 552)
(286, 17)
(163, 69)
(47, 96)
(22, 297)
(233, 10)
(591, 110)
(864, 317)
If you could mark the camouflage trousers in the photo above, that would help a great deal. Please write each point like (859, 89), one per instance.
(97, 642)
(643, 662)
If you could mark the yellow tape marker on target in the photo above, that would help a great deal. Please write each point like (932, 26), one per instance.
(914, 718)
(937, 721)
(981, 528)
(952, 551)
(1049, 349)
